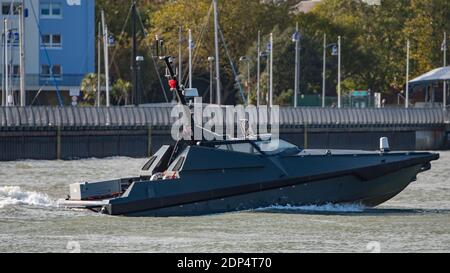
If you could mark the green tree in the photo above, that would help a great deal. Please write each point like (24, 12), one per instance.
(239, 22)
(89, 88)
(121, 91)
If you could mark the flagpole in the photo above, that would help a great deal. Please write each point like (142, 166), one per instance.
(190, 58)
(216, 45)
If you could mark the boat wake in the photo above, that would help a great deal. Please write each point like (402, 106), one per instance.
(328, 208)
(15, 196)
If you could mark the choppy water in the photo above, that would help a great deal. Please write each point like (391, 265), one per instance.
(416, 221)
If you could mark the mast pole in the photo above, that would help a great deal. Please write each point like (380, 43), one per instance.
(445, 65)
(4, 67)
(408, 46)
(6, 63)
(324, 75)
(136, 100)
(271, 70)
(22, 53)
(106, 52)
(216, 43)
(191, 45)
(99, 63)
(297, 66)
(258, 84)
(180, 54)
(339, 74)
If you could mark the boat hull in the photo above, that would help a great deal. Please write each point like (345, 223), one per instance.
(344, 189)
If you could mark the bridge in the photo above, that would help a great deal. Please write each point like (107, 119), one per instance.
(83, 132)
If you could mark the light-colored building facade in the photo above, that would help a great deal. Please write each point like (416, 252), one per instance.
(59, 48)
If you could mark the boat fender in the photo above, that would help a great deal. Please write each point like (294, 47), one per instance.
(157, 176)
(384, 145)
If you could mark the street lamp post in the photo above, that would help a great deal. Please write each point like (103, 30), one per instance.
(191, 47)
(22, 53)
(258, 72)
(324, 75)
(339, 74)
(217, 58)
(6, 60)
(99, 63)
(106, 58)
(335, 52)
(265, 54)
(408, 46)
(139, 61)
(444, 48)
(271, 71)
(296, 39)
(247, 60)
(211, 79)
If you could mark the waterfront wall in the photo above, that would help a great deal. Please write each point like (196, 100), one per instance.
(159, 116)
(47, 133)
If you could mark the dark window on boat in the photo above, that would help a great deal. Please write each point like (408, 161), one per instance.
(245, 148)
(149, 163)
(179, 164)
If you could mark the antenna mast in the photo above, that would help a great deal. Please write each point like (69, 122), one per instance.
(216, 42)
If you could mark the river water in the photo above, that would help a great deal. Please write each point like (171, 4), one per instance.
(30, 221)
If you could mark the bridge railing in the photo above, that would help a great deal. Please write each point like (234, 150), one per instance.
(159, 116)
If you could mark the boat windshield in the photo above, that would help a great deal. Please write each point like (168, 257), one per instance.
(277, 147)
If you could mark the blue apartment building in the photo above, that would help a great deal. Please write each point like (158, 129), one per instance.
(59, 48)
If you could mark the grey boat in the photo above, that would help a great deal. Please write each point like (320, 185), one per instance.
(209, 177)
(229, 176)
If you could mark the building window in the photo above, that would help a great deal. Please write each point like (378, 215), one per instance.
(56, 70)
(16, 71)
(46, 40)
(56, 40)
(51, 70)
(9, 8)
(45, 70)
(56, 9)
(13, 39)
(51, 40)
(51, 9)
(45, 9)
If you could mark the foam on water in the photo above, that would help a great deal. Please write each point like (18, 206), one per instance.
(11, 196)
(324, 208)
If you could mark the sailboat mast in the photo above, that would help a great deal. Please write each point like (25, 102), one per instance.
(180, 54)
(22, 54)
(191, 45)
(105, 44)
(99, 64)
(271, 71)
(136, 99)
(6, 63)
(216, 42)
